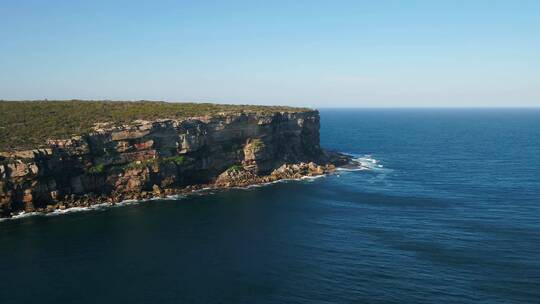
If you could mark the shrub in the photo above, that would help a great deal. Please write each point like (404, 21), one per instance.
(97, 169)
(177, 160)
(236, 168)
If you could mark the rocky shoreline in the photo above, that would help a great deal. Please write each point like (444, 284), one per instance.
(162, 157)
(231, 178)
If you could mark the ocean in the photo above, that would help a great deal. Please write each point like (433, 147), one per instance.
(448, 211)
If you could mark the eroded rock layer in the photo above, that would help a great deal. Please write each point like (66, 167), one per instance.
(149, 158)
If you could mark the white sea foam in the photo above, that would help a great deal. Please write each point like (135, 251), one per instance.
(369, 162)
(363, 163)
(352, 169)
(22, 215)
(284, 180)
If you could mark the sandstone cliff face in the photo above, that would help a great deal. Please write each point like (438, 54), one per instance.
(155, 155)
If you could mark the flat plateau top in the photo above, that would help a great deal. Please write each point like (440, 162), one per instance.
(28, 124)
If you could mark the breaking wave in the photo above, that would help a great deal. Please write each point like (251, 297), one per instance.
(367, 161)
(362, 163)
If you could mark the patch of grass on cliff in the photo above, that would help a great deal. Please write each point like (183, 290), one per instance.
(28, 124)
(97, 169)
(177, 160)
(236, 168)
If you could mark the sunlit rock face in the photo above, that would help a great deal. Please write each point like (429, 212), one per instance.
(125, 161)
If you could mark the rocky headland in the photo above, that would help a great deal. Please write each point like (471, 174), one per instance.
(143, 159)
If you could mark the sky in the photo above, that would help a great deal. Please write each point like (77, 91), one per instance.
(313, 53)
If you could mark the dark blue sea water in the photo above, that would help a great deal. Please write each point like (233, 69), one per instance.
(449, 213)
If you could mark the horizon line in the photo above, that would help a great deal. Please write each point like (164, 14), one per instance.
(294, 106)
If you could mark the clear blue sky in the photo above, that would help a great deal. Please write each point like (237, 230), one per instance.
(312, 53)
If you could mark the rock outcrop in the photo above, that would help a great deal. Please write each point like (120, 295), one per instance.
(161, 157)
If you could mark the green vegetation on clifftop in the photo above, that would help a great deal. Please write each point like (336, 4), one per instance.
(28, 124)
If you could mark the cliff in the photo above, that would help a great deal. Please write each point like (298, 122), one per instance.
(147, 158)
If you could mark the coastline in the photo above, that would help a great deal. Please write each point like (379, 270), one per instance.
(84, 204)
(156, 158)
